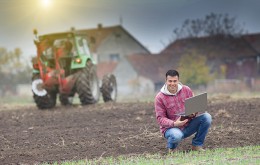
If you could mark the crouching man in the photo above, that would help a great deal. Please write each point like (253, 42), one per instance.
(169, 102)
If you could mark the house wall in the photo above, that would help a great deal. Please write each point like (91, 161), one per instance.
(240, 69)
(121, 44)
(234, 86)
(24, 90)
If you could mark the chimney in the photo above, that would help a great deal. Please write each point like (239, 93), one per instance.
(72, 29)
(100, 26)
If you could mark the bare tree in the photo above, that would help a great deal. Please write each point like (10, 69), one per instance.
(13, 70)
(211, 25)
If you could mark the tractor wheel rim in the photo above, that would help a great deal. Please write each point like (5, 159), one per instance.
(37, 87)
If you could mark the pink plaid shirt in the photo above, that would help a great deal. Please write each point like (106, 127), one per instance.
(167, 107)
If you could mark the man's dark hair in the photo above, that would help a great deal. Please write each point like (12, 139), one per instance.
(172, 73)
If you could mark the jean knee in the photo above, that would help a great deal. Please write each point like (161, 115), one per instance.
(176, 136)
(207, 118)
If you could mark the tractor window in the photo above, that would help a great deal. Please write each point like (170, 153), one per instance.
(66, 44)
(47, 48)
(48, 52)
(58, 43)
(83, 46)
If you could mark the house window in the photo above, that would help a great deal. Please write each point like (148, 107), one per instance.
(117, 35)
(114, 57)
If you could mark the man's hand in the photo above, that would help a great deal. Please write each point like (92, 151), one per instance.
(193, 115)
(179, 123)
(190, 117)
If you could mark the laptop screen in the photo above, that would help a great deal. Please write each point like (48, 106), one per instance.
(196, 103)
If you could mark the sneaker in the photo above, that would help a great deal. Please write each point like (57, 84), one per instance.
(197, 148)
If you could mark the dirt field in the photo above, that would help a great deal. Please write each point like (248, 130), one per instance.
(31, 136)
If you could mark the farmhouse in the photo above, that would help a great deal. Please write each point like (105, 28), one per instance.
(234, 59)
(110, 46)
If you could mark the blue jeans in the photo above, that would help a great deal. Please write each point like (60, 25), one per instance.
(198, 125)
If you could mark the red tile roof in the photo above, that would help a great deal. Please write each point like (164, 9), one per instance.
(153, 67)
(254, 41)
(212, 47)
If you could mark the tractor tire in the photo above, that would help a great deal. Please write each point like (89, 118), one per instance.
(44, 102)
(109, 88)
(87, 86)
(65, 99)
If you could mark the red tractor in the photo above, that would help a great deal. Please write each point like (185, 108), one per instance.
(64, 67)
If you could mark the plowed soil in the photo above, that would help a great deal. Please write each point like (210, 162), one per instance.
(32, 136)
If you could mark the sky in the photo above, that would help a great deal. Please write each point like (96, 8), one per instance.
(151, 22)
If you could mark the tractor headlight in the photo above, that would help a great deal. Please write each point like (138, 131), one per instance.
(78, 60)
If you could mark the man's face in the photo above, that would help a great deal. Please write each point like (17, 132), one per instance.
(172, 83)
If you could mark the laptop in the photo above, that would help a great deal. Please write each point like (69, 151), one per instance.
(195, 104)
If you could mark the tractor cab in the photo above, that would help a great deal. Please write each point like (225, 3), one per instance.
(63, 49)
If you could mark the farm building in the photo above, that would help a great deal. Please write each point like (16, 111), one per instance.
(110, 46)
(239, 56)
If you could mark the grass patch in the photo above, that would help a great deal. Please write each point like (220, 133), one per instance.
(242, 155)
(16, 100)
